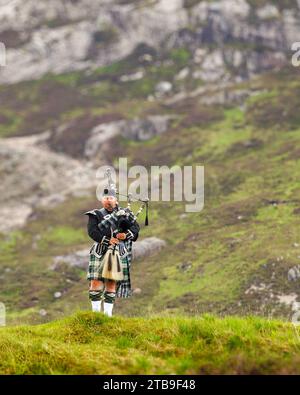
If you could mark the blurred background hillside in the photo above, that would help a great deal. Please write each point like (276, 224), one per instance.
(161, 82)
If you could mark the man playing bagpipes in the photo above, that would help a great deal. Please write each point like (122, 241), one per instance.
(113, 229)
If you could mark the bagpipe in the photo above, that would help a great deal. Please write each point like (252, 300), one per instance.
(122, 218)
(119, 221)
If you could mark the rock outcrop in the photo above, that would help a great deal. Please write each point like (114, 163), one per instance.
(137, 130)
(36, 177)
(294, 273)
(61, 36)
(141, 249)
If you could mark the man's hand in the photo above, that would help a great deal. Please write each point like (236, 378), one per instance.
(113, 241)
(121, 236)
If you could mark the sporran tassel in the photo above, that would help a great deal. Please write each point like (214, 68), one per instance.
(109, 266)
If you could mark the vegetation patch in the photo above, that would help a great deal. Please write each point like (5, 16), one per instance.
(281, 4)
(154, 345)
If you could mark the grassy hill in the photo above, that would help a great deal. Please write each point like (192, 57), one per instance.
(231, 258)
(88, 343)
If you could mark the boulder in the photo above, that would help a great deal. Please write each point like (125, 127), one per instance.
(136, 129)
(141, 249)
(294, 273)
(162, 88)
(147, 247)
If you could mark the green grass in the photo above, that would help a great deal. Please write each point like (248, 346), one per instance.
(180, 56)
(191, 3)
(53, 234)
(281, 4)
(62, 235)
(8, 244)
(84, 342)
(9, 122)
(69, 79)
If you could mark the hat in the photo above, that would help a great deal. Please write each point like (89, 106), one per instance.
(109, 191)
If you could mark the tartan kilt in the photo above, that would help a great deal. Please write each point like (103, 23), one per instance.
(123, 289)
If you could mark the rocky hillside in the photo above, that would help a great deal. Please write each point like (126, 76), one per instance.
(161, 83)
(226, 38)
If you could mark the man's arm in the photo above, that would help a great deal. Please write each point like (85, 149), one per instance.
(94, 232)
(133, 232)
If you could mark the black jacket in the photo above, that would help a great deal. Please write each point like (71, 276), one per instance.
(96, 216)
